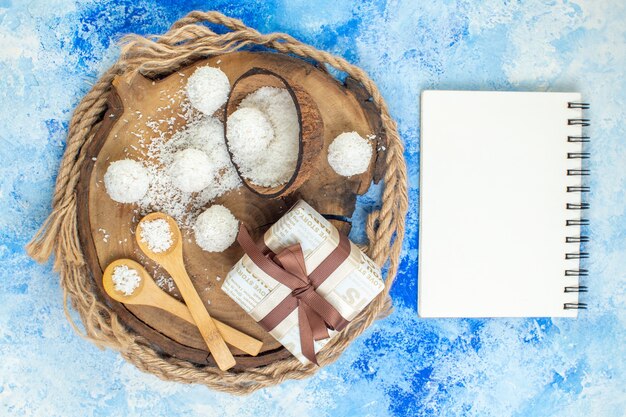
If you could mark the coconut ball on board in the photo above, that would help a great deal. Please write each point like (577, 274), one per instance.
(206, 135)
(207, 89)
(126, 181)
(216, 229)
(190, 170)
(349, 154)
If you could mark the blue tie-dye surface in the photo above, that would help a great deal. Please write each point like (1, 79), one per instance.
(52, 50)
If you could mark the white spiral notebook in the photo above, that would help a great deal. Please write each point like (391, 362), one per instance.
(501, 204)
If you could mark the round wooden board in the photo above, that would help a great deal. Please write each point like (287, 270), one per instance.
(106, 228)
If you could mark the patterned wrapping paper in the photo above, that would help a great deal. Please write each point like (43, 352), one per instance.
(350, 288)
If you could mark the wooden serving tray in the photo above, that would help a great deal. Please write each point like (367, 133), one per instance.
(136, 99)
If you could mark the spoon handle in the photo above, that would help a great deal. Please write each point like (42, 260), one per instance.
(204, 322)
(238, 339)
(171, 305)
(232, 336)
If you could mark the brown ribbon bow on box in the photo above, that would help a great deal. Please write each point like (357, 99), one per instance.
(315, 314)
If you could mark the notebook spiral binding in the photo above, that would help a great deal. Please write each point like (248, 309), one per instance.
(580, 272)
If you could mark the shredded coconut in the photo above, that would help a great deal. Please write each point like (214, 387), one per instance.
(249, 134)
(204, 134)
(349, 154)
(165, 283)
(276, 163)
(216, 229)
(157, 235)
(125, 279)
(207, 89)
(126, 181)
(190, 170)
(105, 235)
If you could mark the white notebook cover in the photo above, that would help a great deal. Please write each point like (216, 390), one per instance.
(493, 195)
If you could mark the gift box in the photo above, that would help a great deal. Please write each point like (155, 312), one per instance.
(303, 282)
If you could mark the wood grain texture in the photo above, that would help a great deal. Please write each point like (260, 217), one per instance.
(136, 100)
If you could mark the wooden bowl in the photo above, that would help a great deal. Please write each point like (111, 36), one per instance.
(311, 133)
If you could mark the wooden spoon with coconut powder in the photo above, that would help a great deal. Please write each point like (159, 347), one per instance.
(172, 260)
(149, 294)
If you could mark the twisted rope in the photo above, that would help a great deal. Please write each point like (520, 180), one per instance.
(185, 42)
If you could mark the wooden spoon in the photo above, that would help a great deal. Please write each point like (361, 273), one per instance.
(172, 260)
(150, 294)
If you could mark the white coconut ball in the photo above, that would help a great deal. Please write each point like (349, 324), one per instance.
(190, 170)
(276, 164)
(249, 131)
(207, 89)
(216, 229)
(349, 154)
(126, 181)
(208, 135)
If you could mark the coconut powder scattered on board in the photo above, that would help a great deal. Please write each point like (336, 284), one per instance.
(186, 169)
(125, 279)
(349, 154)
(205, 134)
(156, 234)
(216, 229)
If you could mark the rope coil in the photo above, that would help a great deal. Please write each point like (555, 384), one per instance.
(154, 56)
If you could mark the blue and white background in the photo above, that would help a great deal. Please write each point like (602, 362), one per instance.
(51, 51)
